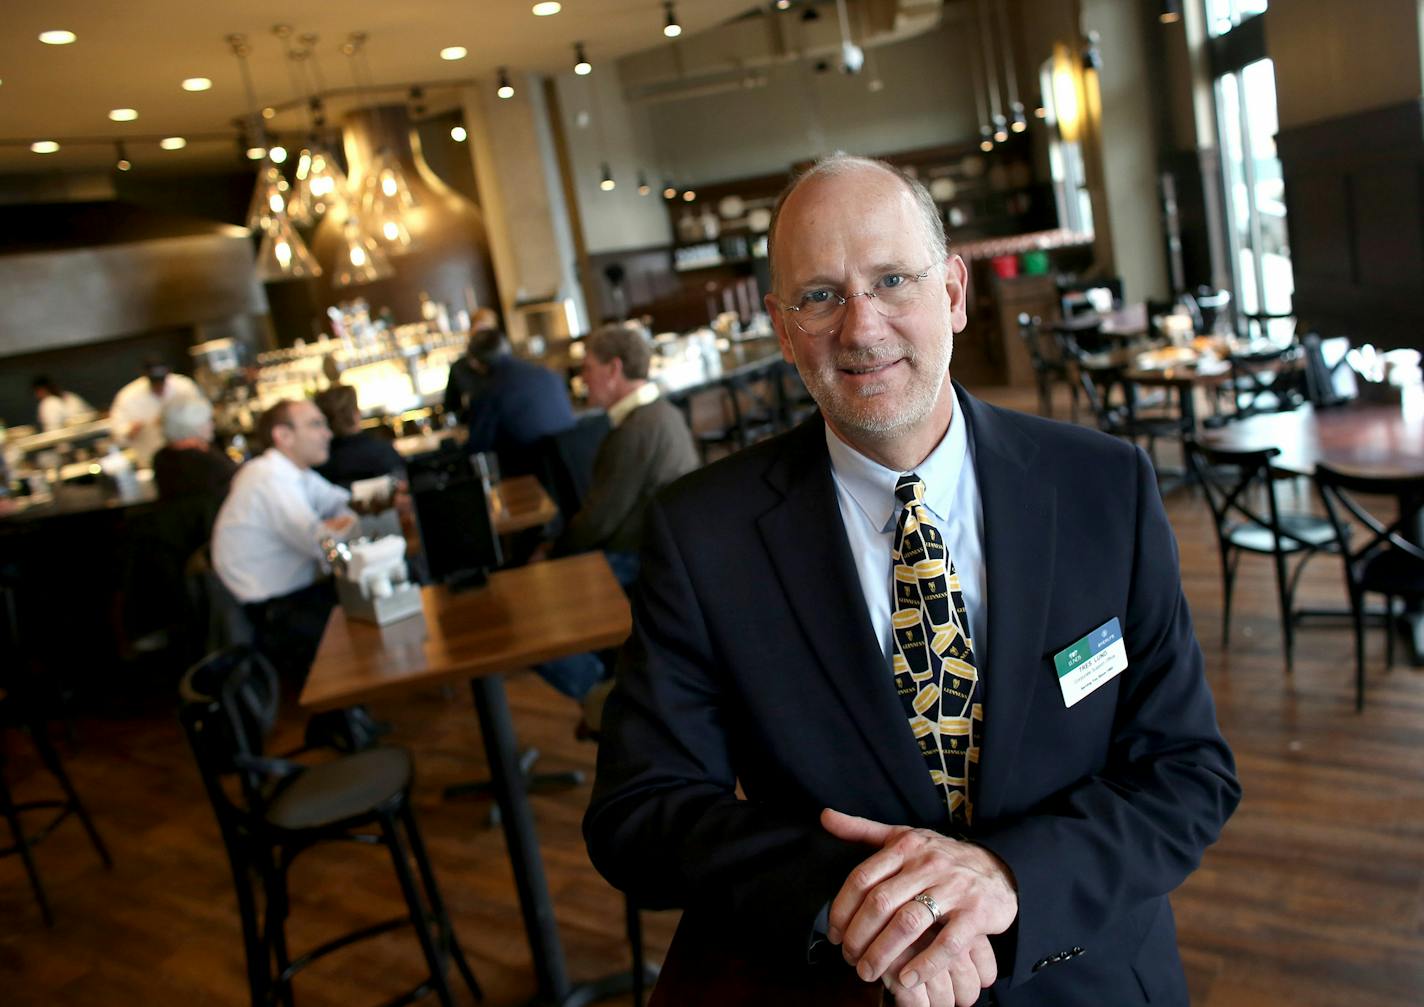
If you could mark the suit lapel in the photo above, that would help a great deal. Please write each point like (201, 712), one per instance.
(1019, 532)
(806, 540)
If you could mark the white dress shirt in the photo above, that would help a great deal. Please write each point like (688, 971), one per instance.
(865, 491)
(136, 403)
(267, 538)
(62, 410)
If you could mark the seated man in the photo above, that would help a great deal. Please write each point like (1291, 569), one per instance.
(355, 454)
(188, 464)
(648, 447)
(267, 542)
(506, 402)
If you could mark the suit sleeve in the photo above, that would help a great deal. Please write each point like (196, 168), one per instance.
(665, 823)
(1092, 854)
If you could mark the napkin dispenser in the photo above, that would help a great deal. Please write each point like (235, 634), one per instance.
(372, 581)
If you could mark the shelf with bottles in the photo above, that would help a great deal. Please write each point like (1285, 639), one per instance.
(730, 249)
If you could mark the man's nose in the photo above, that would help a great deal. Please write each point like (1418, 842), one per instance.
(863, 321)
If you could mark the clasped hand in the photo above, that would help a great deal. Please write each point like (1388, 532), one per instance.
(887, 935)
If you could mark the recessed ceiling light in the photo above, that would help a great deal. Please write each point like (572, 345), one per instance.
(123, 114)
(173, 143)
(458, 134)
(256, 153)
(269, 112)
(278, 154)
(197, 84)
(454, 52)
(44, 146)
(546, 8)
(57, 36)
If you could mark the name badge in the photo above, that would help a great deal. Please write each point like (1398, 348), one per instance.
(1097, 658)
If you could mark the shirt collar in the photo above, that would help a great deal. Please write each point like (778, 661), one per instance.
(284, 465)
(647, 392)
(872, 485)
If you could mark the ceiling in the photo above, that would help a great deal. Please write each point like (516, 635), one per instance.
(136, 54)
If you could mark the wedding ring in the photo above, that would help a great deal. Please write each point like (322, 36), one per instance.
(927, 900)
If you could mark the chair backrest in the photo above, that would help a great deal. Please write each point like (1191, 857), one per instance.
(1232, 481)
(1211, 305)
(565, 461)
(1329, 378)
(1074, 297)
(1031, 332)
(227, 704)
(1339, 491)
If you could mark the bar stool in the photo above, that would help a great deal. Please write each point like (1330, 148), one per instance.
(18, 709)
(280, 808)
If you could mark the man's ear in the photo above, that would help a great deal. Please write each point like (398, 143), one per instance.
(956, 284)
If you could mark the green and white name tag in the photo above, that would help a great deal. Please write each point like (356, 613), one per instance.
(1097, 658)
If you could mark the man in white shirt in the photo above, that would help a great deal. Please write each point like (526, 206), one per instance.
(267, 542)
(56, 407)
(136, 414)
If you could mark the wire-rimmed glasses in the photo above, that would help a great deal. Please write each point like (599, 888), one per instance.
(821, 310)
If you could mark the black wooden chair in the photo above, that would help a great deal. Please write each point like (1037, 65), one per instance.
(270, 810)
(1329, 378)
(1114, 403)
(1047, 369)
(1240, 490)
(20, 710)
(1385, 560)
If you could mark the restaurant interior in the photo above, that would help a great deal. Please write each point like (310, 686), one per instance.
(1197, 225)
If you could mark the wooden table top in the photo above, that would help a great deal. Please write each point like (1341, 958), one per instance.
(521, 617)
(520, 502)
(1363, 437)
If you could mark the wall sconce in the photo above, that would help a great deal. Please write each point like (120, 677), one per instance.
(1066, 108)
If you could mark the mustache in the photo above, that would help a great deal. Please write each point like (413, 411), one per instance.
(872, 356)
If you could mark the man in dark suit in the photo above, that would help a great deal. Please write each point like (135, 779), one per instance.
(942, 648)
(507, 403)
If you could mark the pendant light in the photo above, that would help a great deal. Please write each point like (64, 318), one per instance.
(359, 259)
(282, 255)
(320, 183)
(1018, 121)
(991, 74)
(976, 74)
(385, 195)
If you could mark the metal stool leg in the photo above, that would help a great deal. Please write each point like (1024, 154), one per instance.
(419, 919)
(22, 846)
(448, 941)
(51, 760)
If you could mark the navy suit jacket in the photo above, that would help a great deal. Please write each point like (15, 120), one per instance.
(509, 408)
(753, 662)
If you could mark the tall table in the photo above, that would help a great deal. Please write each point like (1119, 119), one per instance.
(1384, 440)
(521, 617)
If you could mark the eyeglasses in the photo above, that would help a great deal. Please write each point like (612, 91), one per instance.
(819, 312)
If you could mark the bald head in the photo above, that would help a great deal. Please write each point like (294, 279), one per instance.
(850, 168)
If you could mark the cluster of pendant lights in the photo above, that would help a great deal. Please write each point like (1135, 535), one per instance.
(994, 125)
(374, 227)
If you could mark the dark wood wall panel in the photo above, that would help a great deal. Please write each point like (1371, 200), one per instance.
(1355, 193)
(1390, 250)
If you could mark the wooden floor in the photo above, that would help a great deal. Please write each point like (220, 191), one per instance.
(1315, 895)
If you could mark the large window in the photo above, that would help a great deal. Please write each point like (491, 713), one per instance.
(1224, 15)
(1255, 191)
(1256, 206)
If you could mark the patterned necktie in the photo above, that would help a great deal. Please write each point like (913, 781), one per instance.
(933, 662)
